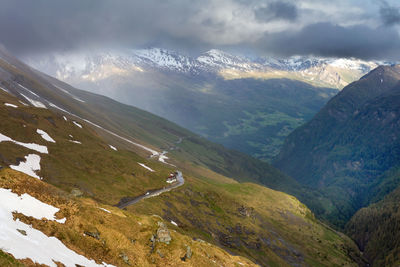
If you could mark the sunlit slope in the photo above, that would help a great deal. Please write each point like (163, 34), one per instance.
(106, 234)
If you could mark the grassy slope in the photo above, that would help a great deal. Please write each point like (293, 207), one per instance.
(116, 173)
(270, 227)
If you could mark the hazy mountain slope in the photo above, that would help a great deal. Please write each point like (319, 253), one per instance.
(82, 161)
(130, 122)
(246, 114)
(353, 140)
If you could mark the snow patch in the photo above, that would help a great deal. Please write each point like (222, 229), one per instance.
(77, 124)
(113, 147)
(74, 141)
(144, 166)
(45, 136)
(174, 223)
(30, 166)
(65, 118)
(33, 244)
(105, 210)
(10, 105)
(32, 146)
(34, 103)
(27, 205)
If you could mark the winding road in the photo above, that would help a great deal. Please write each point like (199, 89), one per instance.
(180, 182)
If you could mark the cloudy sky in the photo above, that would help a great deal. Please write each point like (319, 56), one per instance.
(367, 29)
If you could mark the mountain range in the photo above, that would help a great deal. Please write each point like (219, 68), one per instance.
(92, 66)
(270, 97)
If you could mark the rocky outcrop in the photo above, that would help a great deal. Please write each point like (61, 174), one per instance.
(163, 235)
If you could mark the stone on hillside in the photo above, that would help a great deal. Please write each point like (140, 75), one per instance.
(125, 258)
(160, 253)
(76, 192)
(163, 234)
(22, 232)
(95, 234)
(188, 254)
(245, 211)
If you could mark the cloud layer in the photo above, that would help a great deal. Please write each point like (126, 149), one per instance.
(359, 28)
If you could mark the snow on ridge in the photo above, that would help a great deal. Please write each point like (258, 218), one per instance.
(4, 89)
(10, 105)
(25, 242)
(30, 166)
(32, 146)
(68, 93)
(29, 91)
(77, 124)
(146, 167)
(45, 136)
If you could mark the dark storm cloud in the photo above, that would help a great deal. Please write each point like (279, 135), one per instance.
(277, 11)
(42, 25)
(390, 15)
(325, 39)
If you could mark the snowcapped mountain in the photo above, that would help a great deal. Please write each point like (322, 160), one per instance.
(327, 72)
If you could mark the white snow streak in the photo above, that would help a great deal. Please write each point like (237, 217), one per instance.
(144, 166)
(74, 141)
(36, 147)
(68, 93)
(113, 147)
(45, 136)
(26, 89)
(5, 90)
(10, 105)
(77, 124)
(105, 210)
